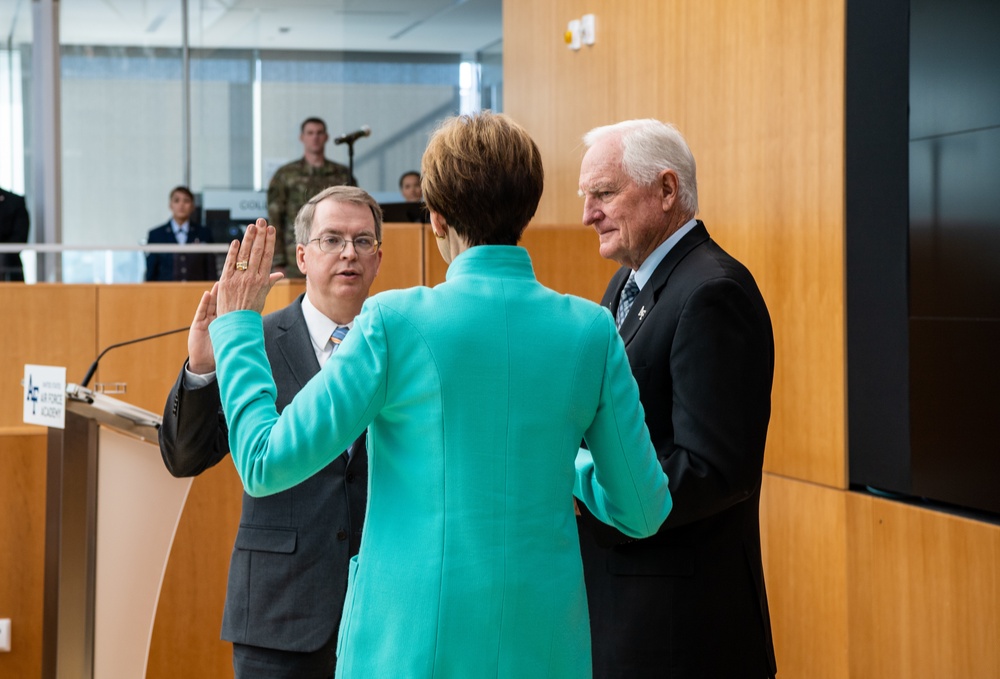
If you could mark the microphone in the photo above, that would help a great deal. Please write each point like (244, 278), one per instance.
(93, 366)
(352, 137)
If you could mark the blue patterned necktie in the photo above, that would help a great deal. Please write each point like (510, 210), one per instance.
(629, 293)
(338, 336)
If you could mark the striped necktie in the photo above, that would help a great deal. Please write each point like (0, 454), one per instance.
(335, 339)
(629, 293)
(338, 336)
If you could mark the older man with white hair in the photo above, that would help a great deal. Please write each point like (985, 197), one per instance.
(689, 601)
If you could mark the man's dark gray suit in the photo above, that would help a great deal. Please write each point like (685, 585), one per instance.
(288, 573)
(690, 601)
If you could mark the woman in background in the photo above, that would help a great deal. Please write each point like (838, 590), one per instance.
(476, 394)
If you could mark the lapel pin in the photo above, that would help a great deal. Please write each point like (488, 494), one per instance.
(642, 313)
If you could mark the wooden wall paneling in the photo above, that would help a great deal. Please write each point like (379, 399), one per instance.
(558, 93)
(588, 90)
(801, 259)
(642, 49)
(185, 640)
(533, 37)
(804, 538)
(924, 595)
(46, 325)
(757, 88)
(763, 112)
(585, 91)
(402, 257)
(282, 294)
(565, 259)
(127, 312)
(131, 311)
(22, 546)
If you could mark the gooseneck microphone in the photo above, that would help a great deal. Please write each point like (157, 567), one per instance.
(93, 366)
(352, 137)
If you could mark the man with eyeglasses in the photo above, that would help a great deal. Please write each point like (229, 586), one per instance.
(288, 572)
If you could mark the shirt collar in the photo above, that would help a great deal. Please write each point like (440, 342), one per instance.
(646, 269)
(175, 227)
(320, 327)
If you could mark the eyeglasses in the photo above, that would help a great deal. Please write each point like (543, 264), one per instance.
(334, 244)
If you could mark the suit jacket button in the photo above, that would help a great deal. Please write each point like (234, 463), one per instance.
(341, 535)
(350, 477)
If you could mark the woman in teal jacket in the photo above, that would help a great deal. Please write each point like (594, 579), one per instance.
(476, 394)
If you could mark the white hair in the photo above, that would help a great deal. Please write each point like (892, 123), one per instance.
(649, 147)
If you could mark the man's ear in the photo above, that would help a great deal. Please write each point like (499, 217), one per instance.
(300, 257)
(668, 185)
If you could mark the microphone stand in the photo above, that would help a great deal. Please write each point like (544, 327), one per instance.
(350, 161)
(93, 366)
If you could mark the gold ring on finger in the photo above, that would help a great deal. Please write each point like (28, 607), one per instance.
(243, 265)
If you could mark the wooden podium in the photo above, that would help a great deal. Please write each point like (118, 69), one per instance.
(111, 512)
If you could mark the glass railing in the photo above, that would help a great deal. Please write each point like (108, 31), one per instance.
(96, 263)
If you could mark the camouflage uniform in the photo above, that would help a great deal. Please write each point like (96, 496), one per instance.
(291, 187)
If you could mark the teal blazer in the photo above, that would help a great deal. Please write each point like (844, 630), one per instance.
(476, 394)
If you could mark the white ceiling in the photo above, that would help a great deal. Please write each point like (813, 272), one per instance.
(453, 26)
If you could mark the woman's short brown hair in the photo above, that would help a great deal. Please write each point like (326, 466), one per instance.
(483, 174)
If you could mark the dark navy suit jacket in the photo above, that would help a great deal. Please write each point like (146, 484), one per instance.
(288, 574)
(14, 224)
(689, 602)
(180, 266)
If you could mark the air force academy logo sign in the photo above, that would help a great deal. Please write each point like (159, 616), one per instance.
(45, 396)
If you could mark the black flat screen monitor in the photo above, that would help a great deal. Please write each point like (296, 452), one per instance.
(405, 212)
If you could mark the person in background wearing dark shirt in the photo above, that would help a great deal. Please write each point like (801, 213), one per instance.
(14, 225)
(180, 266)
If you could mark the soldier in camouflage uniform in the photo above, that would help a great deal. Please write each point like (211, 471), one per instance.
(295, 183)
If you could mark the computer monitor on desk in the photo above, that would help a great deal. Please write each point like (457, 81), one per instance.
(223, 227)
(405, 212)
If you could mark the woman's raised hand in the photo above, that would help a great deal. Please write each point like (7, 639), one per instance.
(246, 277)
